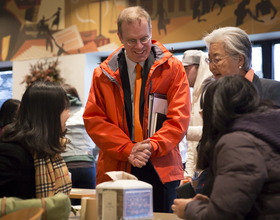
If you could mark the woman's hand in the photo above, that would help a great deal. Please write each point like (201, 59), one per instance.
(179, 206)
(201, 197)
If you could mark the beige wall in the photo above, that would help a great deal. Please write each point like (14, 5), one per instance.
(72, 68)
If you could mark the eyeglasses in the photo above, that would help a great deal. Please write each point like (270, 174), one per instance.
(143, 40)
(216, 61)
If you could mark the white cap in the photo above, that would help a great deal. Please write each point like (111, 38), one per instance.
(191, 57)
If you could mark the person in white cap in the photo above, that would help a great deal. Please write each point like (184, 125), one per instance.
(198, 72)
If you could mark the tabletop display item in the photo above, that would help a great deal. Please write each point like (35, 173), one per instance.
(124, 198)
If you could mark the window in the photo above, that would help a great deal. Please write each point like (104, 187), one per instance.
(276, 56)
(257, 60)
(6, 85)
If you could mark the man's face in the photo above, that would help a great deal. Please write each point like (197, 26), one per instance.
(135, 32)
(191, 72)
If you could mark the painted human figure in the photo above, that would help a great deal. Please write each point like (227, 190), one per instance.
(221, 3)
(241, 12)
(196, 11)
(205, 7)
(42, 26)
(162, 16)
(57, 18)
(264, 7)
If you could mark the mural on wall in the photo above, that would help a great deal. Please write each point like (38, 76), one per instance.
(32, 29)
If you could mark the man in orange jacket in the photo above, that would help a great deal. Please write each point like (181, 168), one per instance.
(109, 112)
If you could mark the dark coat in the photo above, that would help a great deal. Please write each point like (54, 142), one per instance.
(16, 179)
(246, 169)
(268, 88)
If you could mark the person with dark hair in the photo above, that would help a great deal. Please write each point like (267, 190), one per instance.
(241, 145)
(116, 113)
(8, 112)
(30, 147)
(81, 153)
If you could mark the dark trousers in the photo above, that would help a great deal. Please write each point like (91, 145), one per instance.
(163, 194)
(205, 183)
(201, 181)
(82, 178)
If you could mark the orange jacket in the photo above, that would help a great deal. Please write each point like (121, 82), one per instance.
(105, 117)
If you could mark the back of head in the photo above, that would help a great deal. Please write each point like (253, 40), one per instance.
(235, 41)
(132, 14)
(38, 122)
(227, 99)
(72, 94)
(8, 111)
(71, 90)
(42, 102)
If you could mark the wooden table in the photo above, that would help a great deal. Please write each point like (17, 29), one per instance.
(157, 216)
(164, 216)
(77, 193)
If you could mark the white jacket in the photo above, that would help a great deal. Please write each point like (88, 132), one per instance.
(195, 127)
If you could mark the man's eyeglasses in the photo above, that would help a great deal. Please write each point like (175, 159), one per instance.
(216, 60)
(143, 40)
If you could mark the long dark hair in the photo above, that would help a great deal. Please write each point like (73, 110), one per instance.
(8, 112)
(226, 99)
(38, 127)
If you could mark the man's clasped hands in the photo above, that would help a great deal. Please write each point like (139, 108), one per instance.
(140, 153)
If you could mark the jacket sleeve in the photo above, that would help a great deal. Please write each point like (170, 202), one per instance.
(179, 106)
(194, 133)
(102, 121)
(239, 178)
(193, 136)
(191, 161)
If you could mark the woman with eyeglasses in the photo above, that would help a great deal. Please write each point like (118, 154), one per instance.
(30, 147)
(241, 145)
(230, 53)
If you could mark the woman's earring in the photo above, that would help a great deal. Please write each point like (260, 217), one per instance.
(240, 67)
